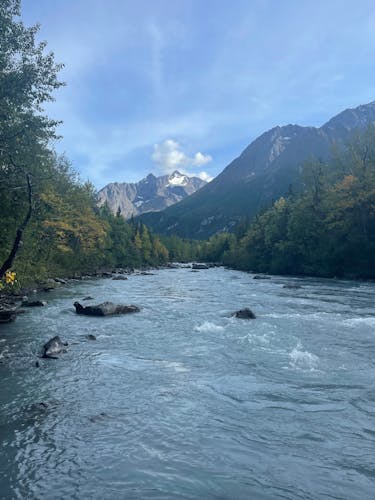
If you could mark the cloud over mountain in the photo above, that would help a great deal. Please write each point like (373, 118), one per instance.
(168, 156)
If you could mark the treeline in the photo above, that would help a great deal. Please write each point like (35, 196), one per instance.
(50, 224)
(327, 230)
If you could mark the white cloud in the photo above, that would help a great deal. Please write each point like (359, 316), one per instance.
(204, 176)
(168, 156)
(201, 159)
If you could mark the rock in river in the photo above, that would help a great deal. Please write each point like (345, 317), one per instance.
(105, 309)
(53, 347)
(244, 314)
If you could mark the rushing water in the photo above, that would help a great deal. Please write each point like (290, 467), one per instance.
(183, 401)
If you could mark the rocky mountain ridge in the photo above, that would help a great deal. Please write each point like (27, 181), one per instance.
(149, 194)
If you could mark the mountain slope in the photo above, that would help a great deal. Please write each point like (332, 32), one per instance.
(149, 194)
(262, 173)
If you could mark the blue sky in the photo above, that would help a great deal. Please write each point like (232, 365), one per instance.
(154, 85)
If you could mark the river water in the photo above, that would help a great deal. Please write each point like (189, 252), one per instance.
(183, 401)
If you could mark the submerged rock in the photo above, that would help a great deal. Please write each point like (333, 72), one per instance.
(120, 277)
(90, 336)
(105, 309)
(244, 314)
(261, 277)
(34, 303)
(53, 347)
(292, 287)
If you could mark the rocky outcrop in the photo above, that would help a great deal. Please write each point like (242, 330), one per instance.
(105, 309)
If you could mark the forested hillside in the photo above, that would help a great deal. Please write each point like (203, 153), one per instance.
(328, 230)
(50, 224)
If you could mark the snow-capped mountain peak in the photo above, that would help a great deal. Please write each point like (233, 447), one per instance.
(177, 179)
(151, 194)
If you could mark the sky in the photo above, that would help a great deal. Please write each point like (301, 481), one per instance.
(163, 85)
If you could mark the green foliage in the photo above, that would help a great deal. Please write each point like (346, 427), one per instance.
(329, 230)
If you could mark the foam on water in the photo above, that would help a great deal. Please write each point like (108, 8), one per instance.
(207, 326)
(369, 321)
(174, 365)
(303, 360)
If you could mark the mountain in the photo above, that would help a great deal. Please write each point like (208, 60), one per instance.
(149, 194)
(262, 173)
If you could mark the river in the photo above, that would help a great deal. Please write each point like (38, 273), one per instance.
(183, 401)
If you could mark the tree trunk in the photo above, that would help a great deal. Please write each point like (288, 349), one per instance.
(18, 239)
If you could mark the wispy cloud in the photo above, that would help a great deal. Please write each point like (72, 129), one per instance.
(141, 73)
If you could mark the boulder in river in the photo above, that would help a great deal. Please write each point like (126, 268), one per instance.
(119, 277)
(261, 277)
(105, 309)
(245, 313)
(52, 347)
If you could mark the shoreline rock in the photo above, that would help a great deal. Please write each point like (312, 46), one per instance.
(7, 315)
(196, 265)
